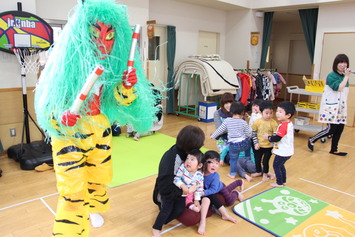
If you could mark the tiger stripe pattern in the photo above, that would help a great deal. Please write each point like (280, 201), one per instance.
(83, 166)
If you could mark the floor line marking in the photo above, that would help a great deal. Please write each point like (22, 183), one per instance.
(18, 204)
(46, 204)
(327, 187)
(177, 225)
(347, 145)
(252, 186)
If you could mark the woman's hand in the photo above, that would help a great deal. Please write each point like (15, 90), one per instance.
(347, 72)
(185, 190)
(192, 189)
(257, 146)
(221, 162)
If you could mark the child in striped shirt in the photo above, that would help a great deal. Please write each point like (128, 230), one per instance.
(239, 134)
(189, 178)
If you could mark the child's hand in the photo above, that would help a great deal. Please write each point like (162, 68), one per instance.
(221, 163)
(266, 136)
(257, 146)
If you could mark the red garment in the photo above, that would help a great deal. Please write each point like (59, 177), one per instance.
(245, 81)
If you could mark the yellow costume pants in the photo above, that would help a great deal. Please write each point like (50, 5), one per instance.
(83, 166)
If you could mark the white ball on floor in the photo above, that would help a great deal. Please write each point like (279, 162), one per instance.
(96, 220)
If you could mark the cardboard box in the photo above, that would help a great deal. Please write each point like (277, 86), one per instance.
(206, 110)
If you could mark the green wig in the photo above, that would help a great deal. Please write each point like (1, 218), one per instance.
(73, 58)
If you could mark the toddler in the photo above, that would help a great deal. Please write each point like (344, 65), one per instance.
(263, 148)
(188, 175)
(213, 184)
(255, 111)
(283, 141)
(239, 134)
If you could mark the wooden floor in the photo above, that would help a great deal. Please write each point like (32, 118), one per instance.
(28, 198)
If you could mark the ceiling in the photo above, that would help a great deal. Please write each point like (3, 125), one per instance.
(284, 10)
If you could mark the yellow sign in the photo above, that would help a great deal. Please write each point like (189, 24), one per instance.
(254, 38)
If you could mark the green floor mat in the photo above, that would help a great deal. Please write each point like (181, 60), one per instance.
(287, 212)
(133, 160)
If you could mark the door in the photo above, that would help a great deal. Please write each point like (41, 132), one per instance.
(208, 43)
(157, 68)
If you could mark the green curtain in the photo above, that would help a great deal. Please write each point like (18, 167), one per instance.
(266, 37)
(309, 19)
(170, 105)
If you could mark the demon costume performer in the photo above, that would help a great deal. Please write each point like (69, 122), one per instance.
(97, 32)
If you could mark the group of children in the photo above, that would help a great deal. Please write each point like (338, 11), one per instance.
(262, 136)
(200, 183)
(198, 178)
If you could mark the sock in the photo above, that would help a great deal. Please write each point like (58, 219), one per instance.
(96, 220)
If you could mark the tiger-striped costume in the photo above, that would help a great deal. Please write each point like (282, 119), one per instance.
(83, 165)
(82, 153)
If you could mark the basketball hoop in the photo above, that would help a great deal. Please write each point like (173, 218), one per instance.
(28, 59)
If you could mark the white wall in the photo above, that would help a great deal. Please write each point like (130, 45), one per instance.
(11, 5)
(332, 18)
(54, 9)
(189, 20)
(239, 50)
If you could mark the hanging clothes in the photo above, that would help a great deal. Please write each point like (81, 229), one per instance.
(245, 82)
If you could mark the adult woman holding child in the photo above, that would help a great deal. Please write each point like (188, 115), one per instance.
(170, 198)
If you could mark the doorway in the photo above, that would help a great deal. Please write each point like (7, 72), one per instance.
(208, 43)
(157, 68)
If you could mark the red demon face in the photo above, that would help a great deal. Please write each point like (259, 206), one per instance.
(103, 35)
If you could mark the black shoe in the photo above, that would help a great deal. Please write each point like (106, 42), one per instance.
(310, 146)
(338, 153)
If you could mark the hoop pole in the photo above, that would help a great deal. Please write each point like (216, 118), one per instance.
(24, 97)
(19, 6)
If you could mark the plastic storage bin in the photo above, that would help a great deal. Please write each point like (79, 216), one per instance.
(301, 121)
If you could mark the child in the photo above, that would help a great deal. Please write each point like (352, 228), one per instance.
(255, 111)
(263, 148)
(188, 175)
(212, 181)
(239, 134)
(213, 185)
(245, 164)
(283, 141)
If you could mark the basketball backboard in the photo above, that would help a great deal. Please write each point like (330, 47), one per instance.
(19, 29)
